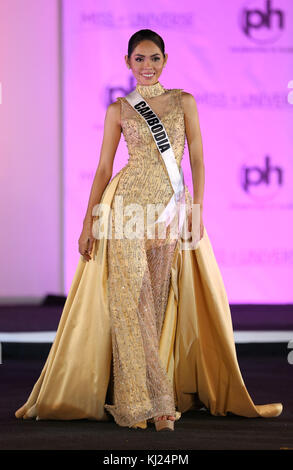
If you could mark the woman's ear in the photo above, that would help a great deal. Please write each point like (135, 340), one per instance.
(126, 61)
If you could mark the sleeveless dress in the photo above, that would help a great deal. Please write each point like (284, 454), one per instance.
(140, 269)
(146, 328)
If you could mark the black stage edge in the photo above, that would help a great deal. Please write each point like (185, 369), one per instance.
(46, 316)
(13, 350)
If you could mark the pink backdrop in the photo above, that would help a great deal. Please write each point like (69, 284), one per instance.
(236, 58)
(30, 152)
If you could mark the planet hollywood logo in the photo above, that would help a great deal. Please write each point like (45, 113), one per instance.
(262, 182)
(262, 21)
(119, 90)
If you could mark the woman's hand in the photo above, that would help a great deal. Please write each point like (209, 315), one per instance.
(86, 240)
(189, 218)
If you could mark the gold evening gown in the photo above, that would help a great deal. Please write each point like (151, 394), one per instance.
(146, 329)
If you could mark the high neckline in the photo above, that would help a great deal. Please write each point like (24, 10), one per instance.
(148, 91)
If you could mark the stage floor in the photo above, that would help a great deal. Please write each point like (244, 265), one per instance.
(267, 374)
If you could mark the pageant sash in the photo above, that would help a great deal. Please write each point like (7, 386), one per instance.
(164, 146)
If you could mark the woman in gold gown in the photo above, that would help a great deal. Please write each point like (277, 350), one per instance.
(146, 329)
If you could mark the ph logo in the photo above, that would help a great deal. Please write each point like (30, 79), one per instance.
(262, 182)
(261, 22)
(119, 90)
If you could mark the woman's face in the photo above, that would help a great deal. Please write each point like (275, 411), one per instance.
(146, 62)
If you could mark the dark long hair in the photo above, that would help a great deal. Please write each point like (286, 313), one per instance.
(142, 35)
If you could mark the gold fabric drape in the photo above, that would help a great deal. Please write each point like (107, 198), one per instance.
(196, 345)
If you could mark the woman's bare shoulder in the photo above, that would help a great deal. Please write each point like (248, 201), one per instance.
(189, 104)
(115, 106)
(187, 98)
(113, 111)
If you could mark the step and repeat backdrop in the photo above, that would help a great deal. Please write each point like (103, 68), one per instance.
(236, 58)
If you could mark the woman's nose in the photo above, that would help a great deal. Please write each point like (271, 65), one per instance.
(148, 63)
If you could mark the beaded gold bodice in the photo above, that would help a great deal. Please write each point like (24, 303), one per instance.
(167, 105)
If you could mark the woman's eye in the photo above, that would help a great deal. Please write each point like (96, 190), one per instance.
(139, 58)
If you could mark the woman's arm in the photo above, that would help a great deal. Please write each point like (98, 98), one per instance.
(111, 138)
(194, 140)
